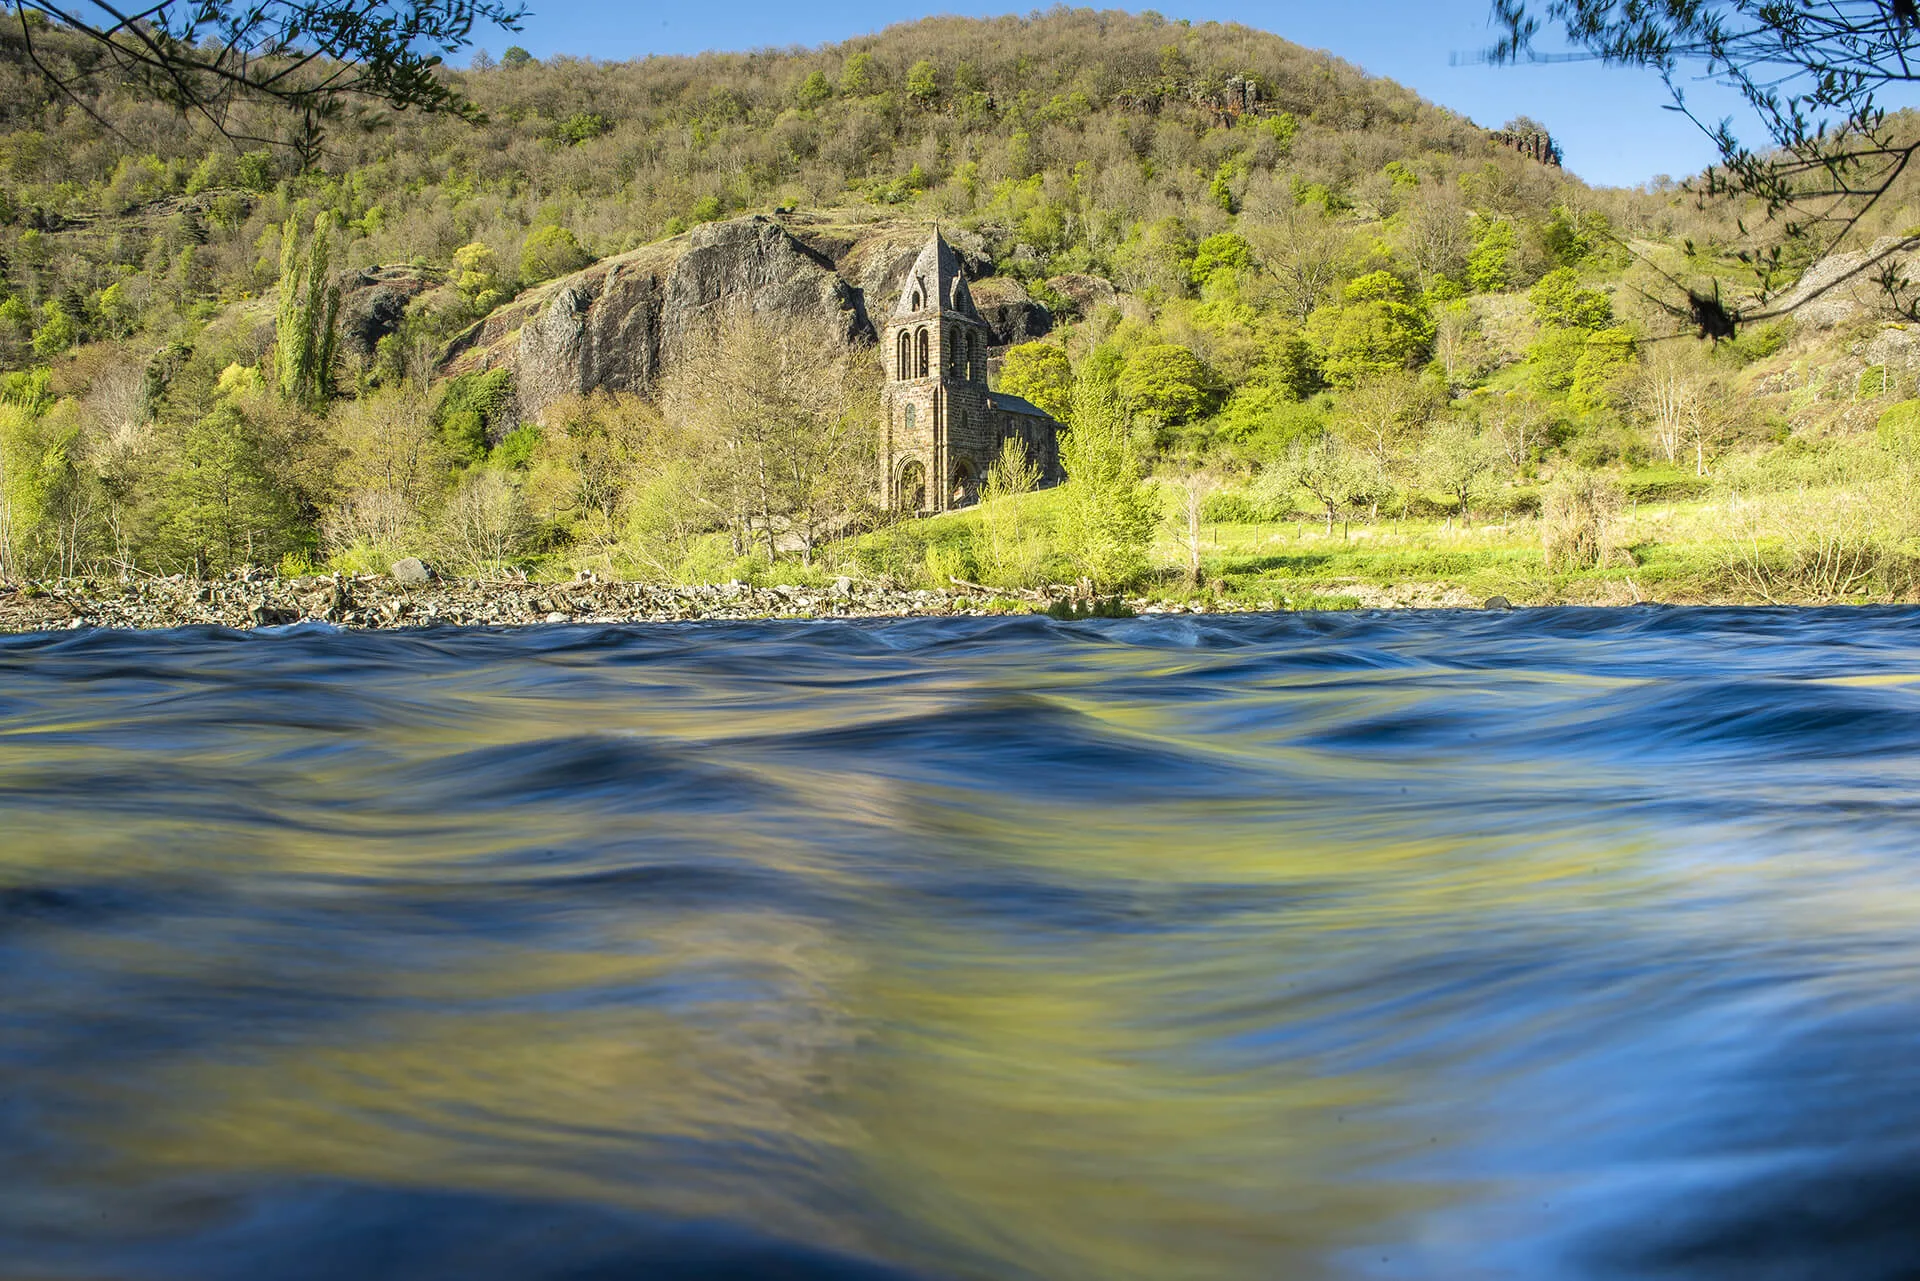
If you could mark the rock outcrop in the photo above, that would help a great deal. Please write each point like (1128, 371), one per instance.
(621, 324)
(1087, 293)
(617, 325)
(1846, 286)
(1010, 311)
(374, 301)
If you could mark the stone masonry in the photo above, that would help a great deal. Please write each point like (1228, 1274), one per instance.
(944, 427)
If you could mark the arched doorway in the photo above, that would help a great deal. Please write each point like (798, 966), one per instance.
(965, 485)
(910, 495)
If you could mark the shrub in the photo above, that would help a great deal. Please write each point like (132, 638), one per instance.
(1232, 507)
(472, 409)
(1576, 520)
(1665, 489)
(1812, 547)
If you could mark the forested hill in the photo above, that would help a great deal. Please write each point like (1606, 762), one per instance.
(1258, 258)
(1071, 137)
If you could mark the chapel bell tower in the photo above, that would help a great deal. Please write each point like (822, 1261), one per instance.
(940, 436)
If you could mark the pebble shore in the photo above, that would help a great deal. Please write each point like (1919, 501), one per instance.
(252, 599)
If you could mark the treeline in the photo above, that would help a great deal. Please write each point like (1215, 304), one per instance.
(755, 449)
(1332, 299)
(1073, 140)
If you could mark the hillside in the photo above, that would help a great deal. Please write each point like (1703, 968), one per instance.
(1274, 263)
(1068, 138)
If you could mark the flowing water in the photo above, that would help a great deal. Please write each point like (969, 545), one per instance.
(1545, 945)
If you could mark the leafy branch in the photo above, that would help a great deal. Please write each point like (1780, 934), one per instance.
(308, 59)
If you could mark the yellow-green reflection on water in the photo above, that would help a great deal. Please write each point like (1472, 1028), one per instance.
(1436, 947)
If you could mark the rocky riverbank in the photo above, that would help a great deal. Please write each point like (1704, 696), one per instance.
(256, 598)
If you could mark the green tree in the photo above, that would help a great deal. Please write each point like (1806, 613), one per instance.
(16, 317)
(1460, 461)
(582, 126)
(1339, 478)
(1168, 383)
(1380, 328)
(923, 83)
(859, 77)
(1290, 366)
(256, 171)
(48, 495)
(1552, 358)
(1571, 238)
(1490, 265)
(1601, 373)
(1039, 373)
(59, 330)
(470, 412)
(515, 57)
(1221, 251)
(1559, 301)
(815, 90)
(305, 332)
(476, 276)
(550, 251)
(1108, 510)
(120, 307)
(225, 502)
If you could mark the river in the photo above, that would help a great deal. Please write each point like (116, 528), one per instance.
(1551, 944)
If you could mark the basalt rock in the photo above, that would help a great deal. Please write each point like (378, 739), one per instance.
(618, 325)
(1010, 312)
(1087, 294)
(623, 323)
(373, 303)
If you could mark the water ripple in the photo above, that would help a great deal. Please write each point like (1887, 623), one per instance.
(1551, 944)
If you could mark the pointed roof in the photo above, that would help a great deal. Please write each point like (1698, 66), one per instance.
(937, 282)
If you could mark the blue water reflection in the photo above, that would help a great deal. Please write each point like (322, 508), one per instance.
(1533, 945)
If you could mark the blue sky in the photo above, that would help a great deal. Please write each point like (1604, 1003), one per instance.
(1609, 122)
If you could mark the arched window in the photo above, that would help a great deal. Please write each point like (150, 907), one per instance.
(905, 363)
(925, 368)
(919, 299)
(907, 418)
(953, 353)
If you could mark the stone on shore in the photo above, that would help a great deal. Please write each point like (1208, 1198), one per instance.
(411, 572)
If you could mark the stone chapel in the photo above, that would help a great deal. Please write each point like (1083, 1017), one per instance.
(944, 427)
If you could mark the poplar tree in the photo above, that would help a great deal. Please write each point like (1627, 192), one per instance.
(309, 307)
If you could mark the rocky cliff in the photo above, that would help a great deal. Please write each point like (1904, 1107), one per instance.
(621, 324)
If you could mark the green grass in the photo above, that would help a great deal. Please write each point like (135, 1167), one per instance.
(1671, 548)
